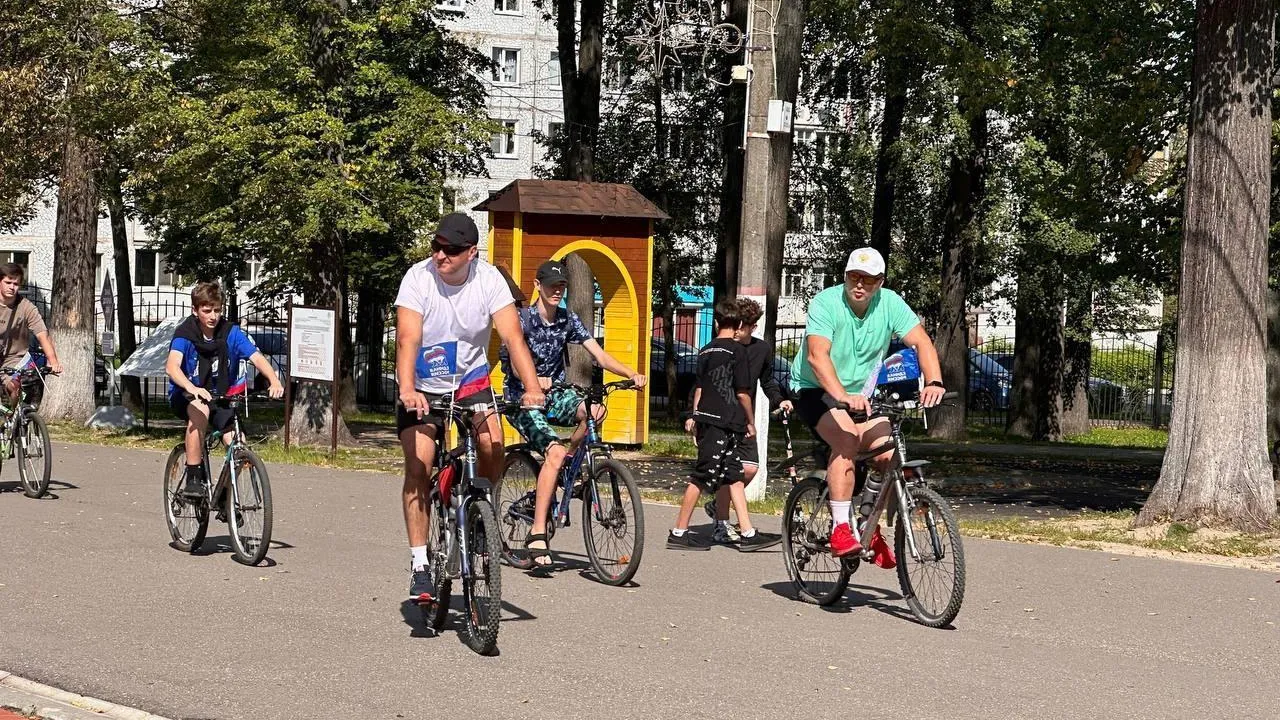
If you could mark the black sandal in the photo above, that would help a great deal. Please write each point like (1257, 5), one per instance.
(536, 554)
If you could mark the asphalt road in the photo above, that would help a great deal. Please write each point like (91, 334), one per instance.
(93, 600)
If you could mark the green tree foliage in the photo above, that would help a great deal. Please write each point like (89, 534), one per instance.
(271, 142)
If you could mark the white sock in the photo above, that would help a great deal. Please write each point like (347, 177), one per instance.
(420, 560)
(679, 532)
(748, 533)
(839, 512)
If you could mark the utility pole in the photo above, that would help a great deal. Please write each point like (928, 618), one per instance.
(774, 32)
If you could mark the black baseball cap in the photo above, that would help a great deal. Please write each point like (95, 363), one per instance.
(457, 229)
(552, 272)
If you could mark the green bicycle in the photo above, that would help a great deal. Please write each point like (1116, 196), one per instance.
(241, 497)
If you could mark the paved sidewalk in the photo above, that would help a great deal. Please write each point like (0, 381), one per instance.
(31, 699)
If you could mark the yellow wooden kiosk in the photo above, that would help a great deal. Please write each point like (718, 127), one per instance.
(611, 227)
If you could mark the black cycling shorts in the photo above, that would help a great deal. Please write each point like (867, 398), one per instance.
(406, 419)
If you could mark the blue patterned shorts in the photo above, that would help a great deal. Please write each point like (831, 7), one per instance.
(535, 425)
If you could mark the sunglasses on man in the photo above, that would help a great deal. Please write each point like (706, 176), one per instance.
(450, 250)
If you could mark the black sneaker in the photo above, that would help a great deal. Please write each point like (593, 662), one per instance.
(710, 508)
(193, 486)
(422, 587)
(688, 541)
(759, 541)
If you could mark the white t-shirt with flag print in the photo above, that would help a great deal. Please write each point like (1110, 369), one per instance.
(456, 323)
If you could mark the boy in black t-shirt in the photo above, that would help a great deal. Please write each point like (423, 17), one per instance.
(723, 418)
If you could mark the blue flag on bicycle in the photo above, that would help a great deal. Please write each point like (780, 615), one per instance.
(900, 366)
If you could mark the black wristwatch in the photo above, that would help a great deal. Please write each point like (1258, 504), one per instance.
(935, 383)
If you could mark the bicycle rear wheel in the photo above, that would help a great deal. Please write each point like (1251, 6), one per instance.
(34, 453)
(438, 551)
(818, 577)
(249, 508)
(188, 522)
(515, 508)
(932, 574)
(613, 523)
(482, 587)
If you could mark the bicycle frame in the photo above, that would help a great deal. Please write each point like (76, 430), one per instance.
(465, 488)
(212, 438)
(896, 492)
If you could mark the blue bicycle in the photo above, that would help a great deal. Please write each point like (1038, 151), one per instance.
(612, 512)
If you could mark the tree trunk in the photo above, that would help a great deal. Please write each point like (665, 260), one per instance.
(1211, 476)
(724, 271)
(895, 107)
(1077, 352)
(71, 396)
(961, 232)
(371, 328)
(786, 62)
(1273, 383)
(311, 422)
(1035, 405)
(126, 337)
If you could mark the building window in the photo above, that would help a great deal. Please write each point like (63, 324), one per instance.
(20, 257)
(617, 75)
(506, 63)
(150, 270)
(250, 273)
(553, 69)
(452, 5)
(507, 6)
(554, 131)
(504, 141)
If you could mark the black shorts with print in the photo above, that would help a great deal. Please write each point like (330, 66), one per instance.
(718, 460)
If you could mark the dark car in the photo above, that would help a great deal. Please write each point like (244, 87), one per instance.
(273, 343)
(989, 382)
(686, 368)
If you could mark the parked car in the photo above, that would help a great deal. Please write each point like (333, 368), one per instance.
(989, 382)
(273, 343)
(686, 368)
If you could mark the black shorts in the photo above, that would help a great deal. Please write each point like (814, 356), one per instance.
(220, 417)
(406, 419)
(718, 461)
(748, 451)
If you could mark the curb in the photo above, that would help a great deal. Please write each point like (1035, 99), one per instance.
(31, 697)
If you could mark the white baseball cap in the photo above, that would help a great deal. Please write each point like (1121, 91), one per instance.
(865, 260)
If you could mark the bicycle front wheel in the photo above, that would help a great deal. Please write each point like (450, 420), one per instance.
(515, 508)
(932, 573)
(188, 521)
(34, 453)
(439, 551)
(818, 577)
(248, 508)
(482, 586)
(613, 523)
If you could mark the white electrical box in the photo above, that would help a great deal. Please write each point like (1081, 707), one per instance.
(779, 116)
(741, 73)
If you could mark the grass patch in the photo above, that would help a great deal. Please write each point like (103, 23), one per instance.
(674, 446)
(1088, 529)
(1123, 437)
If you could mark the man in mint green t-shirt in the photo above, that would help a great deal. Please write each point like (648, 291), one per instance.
(846, 337)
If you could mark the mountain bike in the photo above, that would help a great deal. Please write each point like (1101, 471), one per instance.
(241, 497)
(927, 544)
(463, 541)
(612, 511)
(24, 435)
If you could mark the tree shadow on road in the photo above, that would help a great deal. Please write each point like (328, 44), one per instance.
(854, 597)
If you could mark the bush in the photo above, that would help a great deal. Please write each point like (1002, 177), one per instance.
(789, 350)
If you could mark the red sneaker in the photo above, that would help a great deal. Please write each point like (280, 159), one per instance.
(843, 542)
(884, 556)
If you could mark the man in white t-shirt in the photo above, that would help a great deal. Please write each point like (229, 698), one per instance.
(444, 312)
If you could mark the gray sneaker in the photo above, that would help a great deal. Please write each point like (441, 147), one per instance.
(422, 587)
(725, 535)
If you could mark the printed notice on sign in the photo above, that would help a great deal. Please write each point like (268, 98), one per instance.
(311, 337)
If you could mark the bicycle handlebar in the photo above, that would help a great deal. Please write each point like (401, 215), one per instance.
(30, 372)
